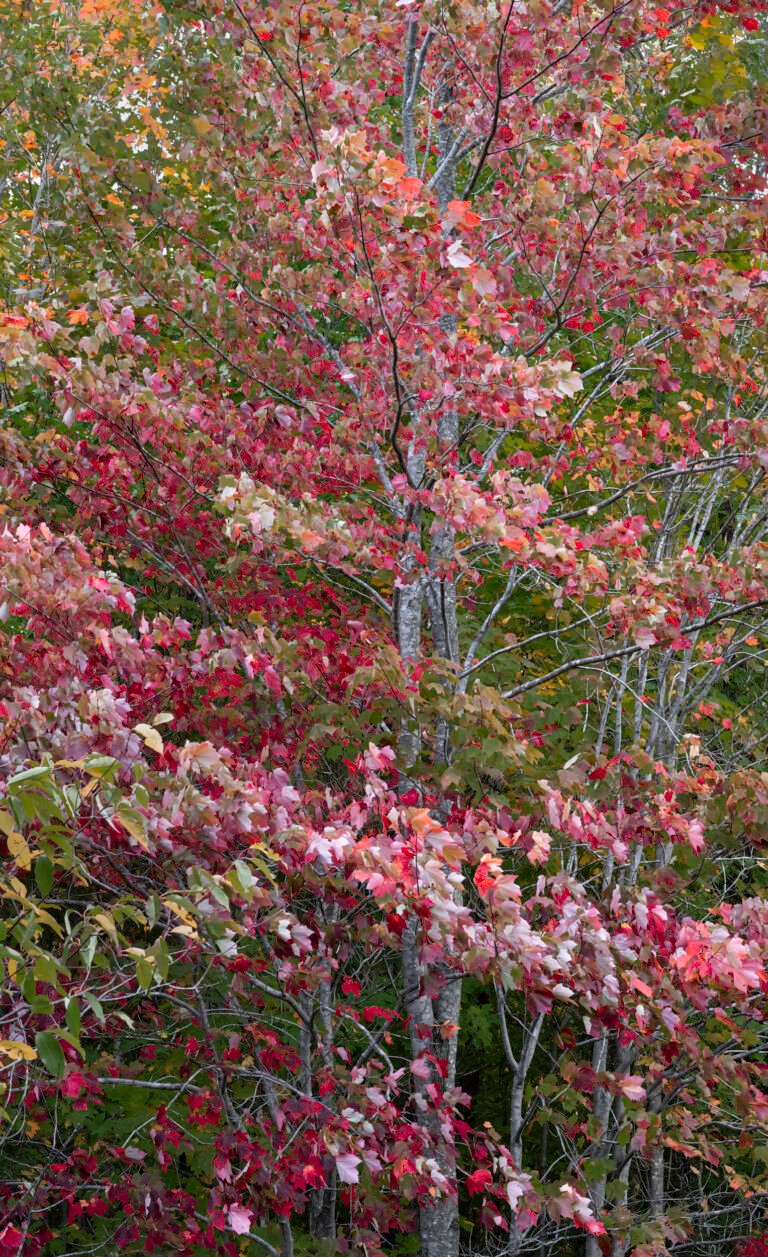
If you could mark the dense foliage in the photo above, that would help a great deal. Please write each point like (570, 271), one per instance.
(384, 602)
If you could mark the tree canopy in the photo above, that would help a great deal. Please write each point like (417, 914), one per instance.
(383, 628)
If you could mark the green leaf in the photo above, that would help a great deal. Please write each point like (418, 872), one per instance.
(44, 874)
(88, 950)
(594, 1169)
(616, 1191)
(47, 969)
(41, 1006)
(95, 1007)
(145, 971)
(241, 877)
(30, 774)
(100, 765)
(73, 1017)
(153, 909)
(162, 957)
(50, 1052)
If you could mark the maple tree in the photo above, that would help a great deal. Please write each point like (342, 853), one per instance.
(384, 596)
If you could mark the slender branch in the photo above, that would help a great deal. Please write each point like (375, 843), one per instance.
(469, 189)
(484, 627)
(590, 661)
(246, 1235)
(536, 637)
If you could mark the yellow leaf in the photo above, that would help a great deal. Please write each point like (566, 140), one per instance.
(188, 929)
(47, 919)
(178, 911)
(17, 1051)
(7, 825)
(19, 850)
(133, 822)
(151, 737)
(106, 922)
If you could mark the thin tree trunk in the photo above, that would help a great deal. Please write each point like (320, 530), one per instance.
(322, 1200)
(601, 1112)
(520, 1070)
(433, 1022)
(656, 1186)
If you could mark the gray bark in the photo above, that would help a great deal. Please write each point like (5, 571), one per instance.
(601, 1111)
(656, 1186)
(433, 589)
(520, 1070)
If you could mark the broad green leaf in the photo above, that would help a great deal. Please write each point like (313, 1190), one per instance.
(50, 1052)
(44, 874)
(73, 1017)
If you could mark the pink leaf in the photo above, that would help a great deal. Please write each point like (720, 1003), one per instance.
(456, 255)
(239, 1219)
(346, 1166)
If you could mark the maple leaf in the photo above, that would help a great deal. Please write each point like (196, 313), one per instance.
(239, 1219)
(460, 214)
(477, 1181)
(456, 256)
(409, 188)
(484, 282)
(632, 1087)
(151, 737)
(346, 1167)
(645, 637)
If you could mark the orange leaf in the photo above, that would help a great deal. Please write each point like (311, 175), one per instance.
(409, 187)
(77, 316)
(459, 214)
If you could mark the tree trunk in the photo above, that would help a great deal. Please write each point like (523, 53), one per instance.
(601, 1112)
(433, 1022)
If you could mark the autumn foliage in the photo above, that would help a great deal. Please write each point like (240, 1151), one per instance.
(383, 628)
